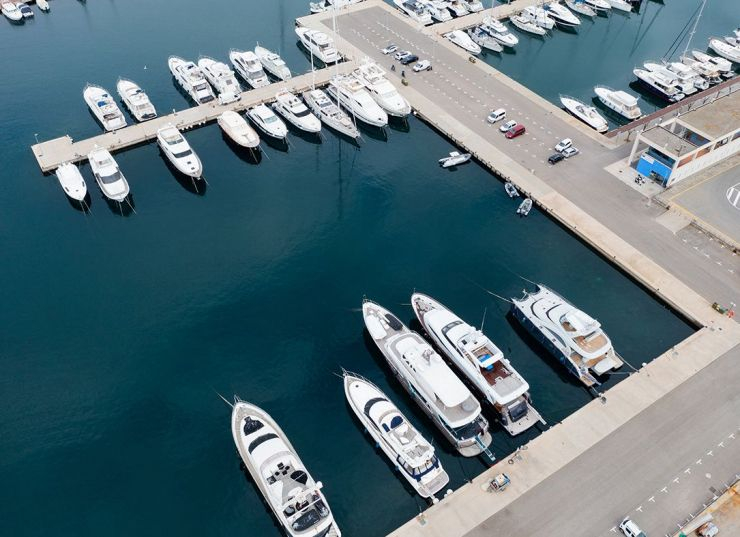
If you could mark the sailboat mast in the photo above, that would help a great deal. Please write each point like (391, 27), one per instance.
(693, 30)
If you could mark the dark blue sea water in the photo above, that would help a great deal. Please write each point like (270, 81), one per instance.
(116, 332)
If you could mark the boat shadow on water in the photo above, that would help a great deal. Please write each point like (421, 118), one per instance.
(245, 154)
(194, 186)
(248, 477)
(282, 144)
(376, 133)
(127, 207)
(83, 205)
(399, 124)
(310, 137)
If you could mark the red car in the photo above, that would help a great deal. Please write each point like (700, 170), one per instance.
(515, 131)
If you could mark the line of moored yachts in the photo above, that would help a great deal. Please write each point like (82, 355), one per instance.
(437, 377)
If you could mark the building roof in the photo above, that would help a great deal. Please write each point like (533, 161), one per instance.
(669, 143)
(715, 120)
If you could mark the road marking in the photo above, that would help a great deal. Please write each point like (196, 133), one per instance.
(733, 196)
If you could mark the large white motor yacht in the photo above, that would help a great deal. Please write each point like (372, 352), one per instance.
(381, 89)
(599, 5)
(499, 32)
(588, 114)
(318, 44)
(266, 121)
(539, 16)
(474, 6)
(178, 151)
(686, 87)
(71, 181)
(353, 96)
(415, 10)
(103, 107)
(658, 85)
(249, 67)
(295, 112)
(484, 40)
(108, 175)
(288, 488)
(222, 78)
(525, 24)
(723, 65)
(11, 11)
(726, 50)
(429, 381)
(458, 8)
(480, 361)
(237, 128)
(437, 9)
(621, 102)
(686, 75)
(463, 40)
(136, 100)
(562, 15)
(329, 113)
(405, 447)
(191, 79)
(272, 63)
(573, 337)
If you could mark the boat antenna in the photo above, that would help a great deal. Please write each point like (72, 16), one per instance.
(224, 399)
(483, 321)
(693, 29)
(490, 292)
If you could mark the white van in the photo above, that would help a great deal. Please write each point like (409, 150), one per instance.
(496, 115)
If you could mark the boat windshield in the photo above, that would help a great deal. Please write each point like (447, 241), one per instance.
(469, 430)
(183, 154)
(301, 113)
(110, 179)
(269, 119)
(200, 87)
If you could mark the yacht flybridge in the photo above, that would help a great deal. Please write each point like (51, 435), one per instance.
(353, 96)
(498, 30)
(429, 381)
(621, 102)
(318, 44)
(222, 78)
(385, 94)
(329, 113)
(191, 79)
(585, 113)
(249, 67)
(108, 175)
(103, 107)
(288, 488)
(415, 10)
(480, 361)
(295, 112)
(686, 87)
(658, 85)
(178, 151)
(136, 100)
(573, 337)
(405, 447)
(272, 63)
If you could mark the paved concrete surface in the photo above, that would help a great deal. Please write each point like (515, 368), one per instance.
(724, 512)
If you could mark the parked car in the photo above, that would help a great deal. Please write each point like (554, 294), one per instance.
(402, 54)
(569, 152)
(496, 115)
(555, 158)
(423, 65)
(507, 126)
(411, 58)
(564, 144)
(630, 529)
(517, 130)
(390, 49)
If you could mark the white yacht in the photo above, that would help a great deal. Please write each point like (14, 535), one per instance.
(325, 5)
(429, 381)
(267, 121)
(381, 89)
(406, 449)
(539, 16)
(295, 498)
(191, 79)
(415, 10)
(136, 100)
(723, 65)
(484, 40)
(601, 6)
(561, 15)
(658, 85)
(272, 63)
(706, 70)
(499, 32)
(295, 112)
(107, 174)
(103, 107)
(237, 128)
(474, 6)
(71, 181)
(580, 7)
(687, 76)
(329, 113)
(725, 49)
(686, 87)
(249, 68)
(11, 12)
(621, 5)
(574, 338)
(222, 79)
(463, 40)
(588, 114)
(318, 44)
(438, 10)
(178, 151)
(525, 24)
(480, 361)
(621, 102)
(455, 158)
(352, 95)
(43, 5)
(458, 8)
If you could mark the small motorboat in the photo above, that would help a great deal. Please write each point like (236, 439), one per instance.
(267, 121)
(585, 113)
(511, 190)
(296, 113)
(178, 151)
(272, 63)
(71, 181)
(103, 107)
(26, 11)
(136, 100)
(580, 7)
(526, 25)
(43, 5)
(462, 40)
(484, 40)
(237, 128)
(524, 207)
(11, 12)
(725, 49)
(620, 5)
(454, 159)
(108, 175)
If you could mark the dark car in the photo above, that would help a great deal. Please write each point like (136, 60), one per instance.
(516, 130)
(409, 59)
(555, 158)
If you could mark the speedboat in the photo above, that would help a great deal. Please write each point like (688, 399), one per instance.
(191, 79)
(295, 112)
(705, 69)
(178, 151)
(318, 44)
(458, 8)
(272, 63)
(572, 336)
(480, 361)
(454, 158)
(329, 113)
(498, 30)
(104, 107)
(474, 6)
(723, 65)
(71, 181)
(725, 49)
(136, 100)
(562, 15)
(511, 190)
(415, 10)
(580, 7)
(687, 76)
(484, 40)
(526, 25)
(621, 102)
(286, 485)
(620, 5)
(437, 10)
(11, 12)
(353, 96)
(539, 16)
(237, 128)
(524, 207)
(26, 11)
(407, 450)
(381, 89)
(658, 85)
(107, 174)
(429, 381)
(222, 78)
(600, 6)
(43, 5)
(267, 121)
(585, 113)
(686, 87)
(463, 40)
(249, 67)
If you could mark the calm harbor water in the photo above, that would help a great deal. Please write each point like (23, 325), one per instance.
(117, 332)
